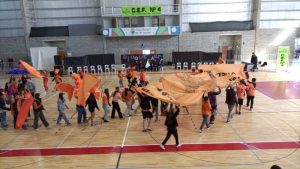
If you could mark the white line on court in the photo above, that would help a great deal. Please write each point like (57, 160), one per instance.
(126, 131)
(65, 138)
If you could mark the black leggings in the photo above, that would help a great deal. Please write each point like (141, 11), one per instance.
(115, 107)
(251, 100)
(170, 132)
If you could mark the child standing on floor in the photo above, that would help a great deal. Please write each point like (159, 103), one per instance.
(206, 108)
(240, 91)
(61, 106)
(251, 93)
(120, 76)
(38, 112)
(45, 81)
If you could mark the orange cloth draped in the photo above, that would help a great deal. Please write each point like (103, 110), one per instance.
(65, 87)
(88, 82)
(78, 81)
(186, 89)
(31, 70)
(96, 91)
(24, 109)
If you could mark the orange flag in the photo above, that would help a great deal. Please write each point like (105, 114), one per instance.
(31, 70)
(24, 109)
(88, 82)
(65, 87)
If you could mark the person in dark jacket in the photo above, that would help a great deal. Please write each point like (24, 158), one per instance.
(171, 123)
(38, 112)
(3, 109)
(254, 61)
(146, 111)
(230, 101)
(92, 104)
(213, 102)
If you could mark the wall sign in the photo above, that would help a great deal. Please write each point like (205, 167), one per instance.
(283, 56)
(141, 10)
(142, 31)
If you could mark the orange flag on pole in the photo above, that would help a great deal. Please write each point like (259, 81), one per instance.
(88, 82)
(24, 109)
(65, 87)
(31, 70)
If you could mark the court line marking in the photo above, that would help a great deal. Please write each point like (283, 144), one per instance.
(242, 139)
(123, 142)
(65, 138)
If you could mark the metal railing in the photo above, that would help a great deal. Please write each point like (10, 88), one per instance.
(172, 9)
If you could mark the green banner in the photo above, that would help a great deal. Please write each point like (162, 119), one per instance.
(283, 56)
(141, 10)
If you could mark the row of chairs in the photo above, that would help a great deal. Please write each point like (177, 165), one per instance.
(92, 69)
(193, 65)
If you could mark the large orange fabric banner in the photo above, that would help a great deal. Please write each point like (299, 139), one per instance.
(223, 70)
(31, 70)
(186, 89)
(88, 82)
(23, 112)
(65, 87)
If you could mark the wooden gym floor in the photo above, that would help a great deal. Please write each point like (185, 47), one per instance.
(257, 139)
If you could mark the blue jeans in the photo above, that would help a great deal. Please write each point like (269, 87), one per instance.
(62, 115)
(81, 114)
(121, 82)
(3, 118)
(204, 122)
(106, 111)
(230, 114)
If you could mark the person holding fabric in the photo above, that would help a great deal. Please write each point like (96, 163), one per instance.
(116, 96)
(61, 106)
(57, 78)
(212, 96)
(45, 81)
(171, 123)
(220, 60)
(120, 77)
(206, 108)
(230, 101)
(91, 102)
(127, 97)
(128, 74)
(240, 91)
(38, 112)
(146, 111)
(106, 104)
(251, 93)
(142, 77)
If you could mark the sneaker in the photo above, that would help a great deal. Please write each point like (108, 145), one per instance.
(162, 147)
(250, 109)
(208, 127)
(106, 121)
(227, 121)
(239, 113)
(179, 145)
(68, 124)
(200, 130)
(145, 130)
(149, 129)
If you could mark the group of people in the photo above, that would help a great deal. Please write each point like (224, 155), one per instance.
(148, 106)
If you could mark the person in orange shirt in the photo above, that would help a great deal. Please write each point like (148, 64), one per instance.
(240, 92)
(194, 72)
(220, 60)
(45, 81)
(251, 93)
(128, 74)
(105, 105)
(206, 108)
(133, 76)
(57, 78)
(142, 77)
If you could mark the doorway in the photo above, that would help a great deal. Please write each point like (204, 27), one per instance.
(230, 47)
